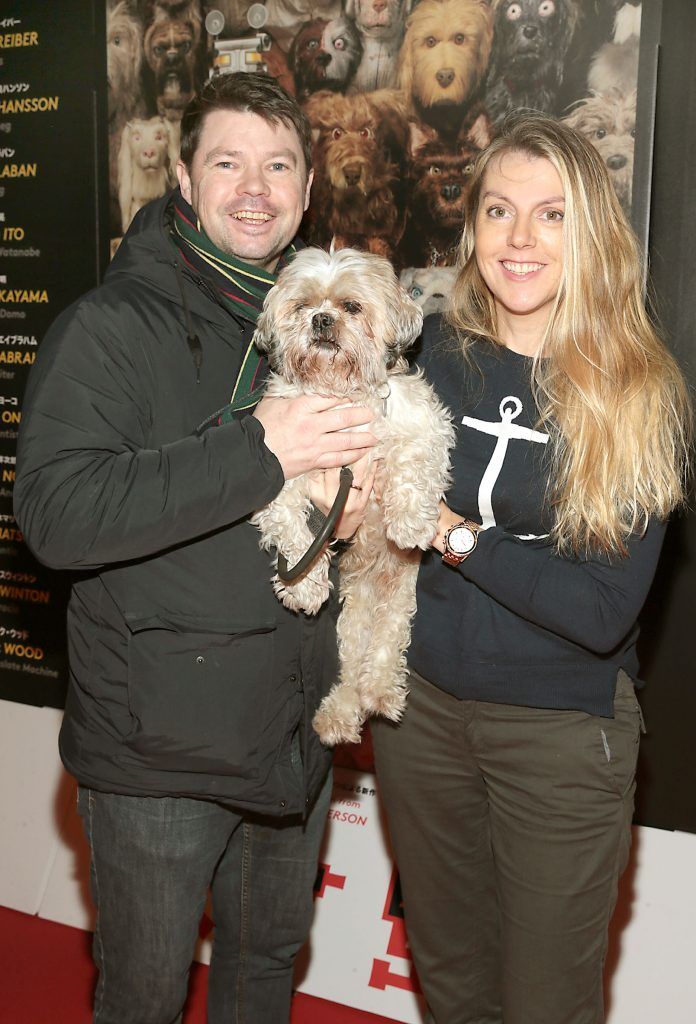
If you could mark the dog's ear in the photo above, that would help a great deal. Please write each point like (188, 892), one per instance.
(388, 108)
(420, 134)
(264, 335)
(407, 322)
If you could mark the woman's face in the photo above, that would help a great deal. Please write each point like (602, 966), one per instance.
(518, 242)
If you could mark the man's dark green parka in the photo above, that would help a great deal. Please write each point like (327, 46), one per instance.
(188, 677)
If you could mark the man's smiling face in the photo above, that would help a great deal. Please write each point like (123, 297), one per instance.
(248, 184)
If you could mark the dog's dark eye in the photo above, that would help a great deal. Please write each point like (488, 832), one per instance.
(431, 41)
(546, 8)
(415, 292)
(159, 51)
(340, 43)
(469, 169)
(633, 133)
(352, 307)
(513, 12)
(459, 38)
(336, 133)
(299, 307)
(600, 133)
(312, 44)
(434, 169)
(366, 133)
(116, 40)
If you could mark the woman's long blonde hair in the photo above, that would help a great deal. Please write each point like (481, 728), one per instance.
(608, 391)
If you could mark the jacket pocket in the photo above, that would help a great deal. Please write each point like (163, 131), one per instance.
(198, 699)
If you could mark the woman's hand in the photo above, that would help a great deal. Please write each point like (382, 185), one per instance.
(447, 518)
(324, 488)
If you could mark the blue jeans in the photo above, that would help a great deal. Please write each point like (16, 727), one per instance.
(153, 860)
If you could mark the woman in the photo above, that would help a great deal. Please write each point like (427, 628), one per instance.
(509, 783)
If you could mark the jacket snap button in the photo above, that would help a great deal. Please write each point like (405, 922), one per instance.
(293, 678)
(200, 659)
(282, 803)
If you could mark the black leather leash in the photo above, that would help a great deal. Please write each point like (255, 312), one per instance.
(288, 575)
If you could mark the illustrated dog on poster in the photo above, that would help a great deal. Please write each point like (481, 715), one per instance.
(609, 123)
(124, 55)
(439, 175)
(381, 24)
(171, 44)
(615, 65)
(123, 63)
(146, 163)
(430, 287)
(442, 65)
(324, 55)
(531, 39)
(357, 198)
(338, 324)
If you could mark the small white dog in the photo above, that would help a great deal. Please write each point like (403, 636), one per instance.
(338, 324)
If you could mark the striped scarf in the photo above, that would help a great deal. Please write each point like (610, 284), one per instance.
(241, 289)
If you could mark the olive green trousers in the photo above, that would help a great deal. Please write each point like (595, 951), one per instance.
(511, 828)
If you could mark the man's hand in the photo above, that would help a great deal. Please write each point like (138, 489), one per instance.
(323, 488)
(314, 432)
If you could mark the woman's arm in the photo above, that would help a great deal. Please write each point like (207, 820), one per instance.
(593, 602)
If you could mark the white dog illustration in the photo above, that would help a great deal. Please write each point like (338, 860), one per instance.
(338, 324)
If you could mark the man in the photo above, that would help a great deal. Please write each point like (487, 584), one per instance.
(188, 719)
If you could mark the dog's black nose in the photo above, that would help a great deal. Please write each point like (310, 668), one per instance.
(352, 172)
(529, 31)
(616, 162)
(445, 76)
(322, 322)
(450, 192)
(323, 59)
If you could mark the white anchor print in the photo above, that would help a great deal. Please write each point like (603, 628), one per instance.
(510, 408)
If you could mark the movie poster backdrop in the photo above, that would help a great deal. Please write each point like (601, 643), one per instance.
(401, 96)
(48, 257)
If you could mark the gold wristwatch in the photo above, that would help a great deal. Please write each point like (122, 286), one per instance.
(460, 540)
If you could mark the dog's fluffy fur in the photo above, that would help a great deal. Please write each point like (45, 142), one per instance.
(609, 122)
(358, 193)
(442, 64)
(615, 67)
(430, 287)
(123, 61)
(530, 44)
(337, 324)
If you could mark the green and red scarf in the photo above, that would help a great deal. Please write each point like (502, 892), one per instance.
(241, 289)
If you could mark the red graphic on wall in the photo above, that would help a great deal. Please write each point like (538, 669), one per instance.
(382, 975)
(326, 878)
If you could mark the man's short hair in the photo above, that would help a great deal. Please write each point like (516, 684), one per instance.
(246, 92)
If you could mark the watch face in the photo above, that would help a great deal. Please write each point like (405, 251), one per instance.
(461, 540)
